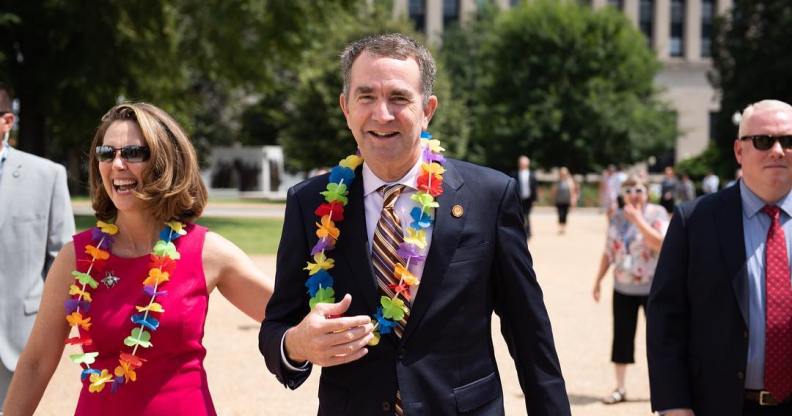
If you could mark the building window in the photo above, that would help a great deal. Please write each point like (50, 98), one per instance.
(618, 4)
(677, 45)
(645, 18)
(707, 16)
(450, 12)
(417, 11)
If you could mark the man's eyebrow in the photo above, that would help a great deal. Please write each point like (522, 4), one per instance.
(401, 92)
(363, 89)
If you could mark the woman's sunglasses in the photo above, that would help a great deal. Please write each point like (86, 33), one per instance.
(766, 141)
(637, 190)
(133, 153)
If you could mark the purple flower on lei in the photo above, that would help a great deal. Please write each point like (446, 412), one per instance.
(98, 236)
(410, 253)
(429, 156)
(323, 244)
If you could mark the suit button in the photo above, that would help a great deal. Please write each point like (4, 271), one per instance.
(386, 407)
(740, 375)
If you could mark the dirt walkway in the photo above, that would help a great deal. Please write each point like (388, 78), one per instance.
(241, 384)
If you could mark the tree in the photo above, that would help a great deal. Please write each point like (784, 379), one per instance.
(70, 61)
(568, 86)
(316, 134)
(751, 62)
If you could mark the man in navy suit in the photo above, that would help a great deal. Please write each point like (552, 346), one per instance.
(477, 263)
(719, 318)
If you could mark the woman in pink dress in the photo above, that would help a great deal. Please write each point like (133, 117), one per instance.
(135, 288)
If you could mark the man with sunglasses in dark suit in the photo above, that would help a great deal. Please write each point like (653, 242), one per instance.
(35, 222)
(719, 319)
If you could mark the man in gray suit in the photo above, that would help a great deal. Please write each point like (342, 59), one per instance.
(35, 222)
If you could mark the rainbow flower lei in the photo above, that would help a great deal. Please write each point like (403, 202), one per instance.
(429, 184)
(163, 261)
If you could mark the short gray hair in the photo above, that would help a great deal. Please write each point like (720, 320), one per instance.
(391, 45)
(760, 106)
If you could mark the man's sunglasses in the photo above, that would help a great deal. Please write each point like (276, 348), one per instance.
(133, 153)
(765, 141)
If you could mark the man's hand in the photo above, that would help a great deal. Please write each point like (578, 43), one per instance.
(327, 341)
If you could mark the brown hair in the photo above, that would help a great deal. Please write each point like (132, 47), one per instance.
(6, 98)
(172, 187)
(633, 180)
(391, 45)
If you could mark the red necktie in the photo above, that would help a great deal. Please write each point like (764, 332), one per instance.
(778, 317)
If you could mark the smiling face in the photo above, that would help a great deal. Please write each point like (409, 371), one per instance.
(386, 112)
(768, 173)
(121, 178)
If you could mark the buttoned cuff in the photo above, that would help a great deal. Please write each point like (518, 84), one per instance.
(287, 362)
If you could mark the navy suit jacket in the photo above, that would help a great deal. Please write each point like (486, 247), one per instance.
(697, 331)
(444, 364)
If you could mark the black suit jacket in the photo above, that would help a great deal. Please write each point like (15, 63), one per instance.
(697, 332)
(532, 184)
(444, 364)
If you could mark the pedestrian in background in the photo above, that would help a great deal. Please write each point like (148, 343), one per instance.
(687, 190)
(35, 222)
(565, 195)
(632, 246)
(709, 184)
(668, 189)
(526, 181)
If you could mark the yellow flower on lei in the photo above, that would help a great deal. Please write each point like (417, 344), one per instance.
(402, 273)
(98, 381)
(177, 227)
(75, 290)
(434, 146)
(416, 237)
(351, 162)
(322, 263)
(107, 228)
(433, 168)
(156, 277)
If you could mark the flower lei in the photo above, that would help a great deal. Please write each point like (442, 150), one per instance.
(429, 185)
(163, 261)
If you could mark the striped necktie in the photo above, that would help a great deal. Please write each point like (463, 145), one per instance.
(387, 237)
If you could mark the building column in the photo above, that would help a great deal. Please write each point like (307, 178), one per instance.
(467, 11)
(434, 21)
(661, 27)
(692, 30)
(598, 4)
(631, 11)
(400, 8)
(723, 6)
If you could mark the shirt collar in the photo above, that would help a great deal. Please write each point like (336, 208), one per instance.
(752, 204)
(371, 182)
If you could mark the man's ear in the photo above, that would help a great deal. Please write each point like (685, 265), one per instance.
(429, 110)
(342, 101)
(738, 151)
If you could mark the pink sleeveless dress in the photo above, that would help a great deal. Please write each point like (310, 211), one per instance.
(172, 381)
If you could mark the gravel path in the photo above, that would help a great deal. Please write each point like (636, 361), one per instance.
(241, 384)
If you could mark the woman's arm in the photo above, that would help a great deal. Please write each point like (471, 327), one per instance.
(603, 268)
(653, 239)
(236, 276)
(44, 348)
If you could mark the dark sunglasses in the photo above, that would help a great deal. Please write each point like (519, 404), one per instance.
(766, 141)
(133, 153)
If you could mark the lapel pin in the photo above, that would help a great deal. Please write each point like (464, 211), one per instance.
(457, 211)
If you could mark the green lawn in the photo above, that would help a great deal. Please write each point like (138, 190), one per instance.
(252, 235)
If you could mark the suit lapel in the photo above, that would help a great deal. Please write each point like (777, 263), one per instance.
(8, 183)
(354, 243)
(732, 245)
(445, 236)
